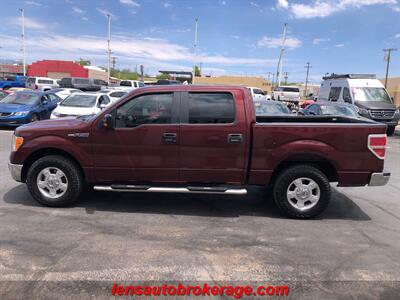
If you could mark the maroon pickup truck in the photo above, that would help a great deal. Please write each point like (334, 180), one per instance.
(198, 139)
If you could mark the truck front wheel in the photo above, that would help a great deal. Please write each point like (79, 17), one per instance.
(302, 191)
(54, 180)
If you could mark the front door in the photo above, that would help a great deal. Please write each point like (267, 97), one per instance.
(144, 145)
(213, 138)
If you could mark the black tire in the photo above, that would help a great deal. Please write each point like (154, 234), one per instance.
(390, 130)
(34, 118)
(72, 173)
(286, 178)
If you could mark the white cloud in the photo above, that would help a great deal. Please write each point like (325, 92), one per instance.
(396, 8)
(269, 42)
(339, 45)
(29, 23)
(325, 8)
(254, 4)
(130, 3)
(157, 51)
(282, 4)
(33, 3)
(78, 10)
(234, 36)
(397, 36)
(222, 2)
(317, 41)
(166, 4)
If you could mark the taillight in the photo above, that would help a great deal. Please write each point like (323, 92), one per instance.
(377, 144)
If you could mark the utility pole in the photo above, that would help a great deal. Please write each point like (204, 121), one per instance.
(280, 61)
(286, 76)
(387, 57)
(308, 70)
(108, 47)
(195, 47)
(23, 39)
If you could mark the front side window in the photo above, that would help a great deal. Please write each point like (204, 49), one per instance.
(258, 92)
(211, 108)
(125, 83)
(81, 81)
(145, 109)
(346, 95)
(31, 80)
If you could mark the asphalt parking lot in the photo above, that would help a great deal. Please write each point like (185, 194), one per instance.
(136, 237)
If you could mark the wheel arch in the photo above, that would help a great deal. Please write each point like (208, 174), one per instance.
(311, 159)
(34, 156)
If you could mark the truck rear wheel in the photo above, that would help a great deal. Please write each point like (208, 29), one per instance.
(54, 181)
(390, 130)
(302, 191)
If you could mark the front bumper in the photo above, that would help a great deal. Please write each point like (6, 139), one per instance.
(16, 171)
(14, 121)
(379, 179)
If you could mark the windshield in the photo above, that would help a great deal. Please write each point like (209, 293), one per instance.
(77, 100)
(370, 94)
(21, 98)
(258, 92)
(270, 109)
(338, 110)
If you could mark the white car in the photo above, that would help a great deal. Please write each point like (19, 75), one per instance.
(115, 95)
(287, 94)
(79, 104)
(41, 83)
(258, 94)
(64, 93)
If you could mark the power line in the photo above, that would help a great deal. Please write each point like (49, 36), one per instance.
(308, 70)
(387, 57)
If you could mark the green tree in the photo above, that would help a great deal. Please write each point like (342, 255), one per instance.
(197, 71)
(162, 76)
(83, 62)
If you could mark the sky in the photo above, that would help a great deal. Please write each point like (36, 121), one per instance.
(235, 37)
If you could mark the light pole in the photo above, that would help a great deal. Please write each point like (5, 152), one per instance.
(308, 70)
(280, 61)
(389, 51)
(108, 48)
(23, 39)
(195, 48)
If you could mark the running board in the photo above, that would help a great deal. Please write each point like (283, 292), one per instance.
(150, 189)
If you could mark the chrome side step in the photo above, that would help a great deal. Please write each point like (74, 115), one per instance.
(151, 189)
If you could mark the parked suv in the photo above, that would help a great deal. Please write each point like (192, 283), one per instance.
(41, 83)
(364, 91)
(287, 94)
(83, 84)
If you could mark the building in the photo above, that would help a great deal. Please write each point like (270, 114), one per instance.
(10, 69)
(393, 87)
(237, 80)
(58, 69)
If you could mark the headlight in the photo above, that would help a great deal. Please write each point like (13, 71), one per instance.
(21, 113)
(16, 143)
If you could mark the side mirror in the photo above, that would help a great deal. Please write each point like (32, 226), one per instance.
(45, 102)
(294, 111)
(103, 106)
(107, 122)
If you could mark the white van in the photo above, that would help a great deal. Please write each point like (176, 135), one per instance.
(41, 83)
(131, 84)
(364, 91)
(287, 94)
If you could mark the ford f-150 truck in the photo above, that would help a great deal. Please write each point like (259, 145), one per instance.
(198, 139)
(12, 81)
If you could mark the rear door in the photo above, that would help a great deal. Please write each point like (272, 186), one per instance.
(212, 137)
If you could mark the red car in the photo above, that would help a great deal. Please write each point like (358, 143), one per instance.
(198, 139)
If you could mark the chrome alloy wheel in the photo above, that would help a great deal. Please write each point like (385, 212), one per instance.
(303, 193)
(52, 182)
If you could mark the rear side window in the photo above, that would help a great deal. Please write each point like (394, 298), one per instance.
(45, 81)
(125, 83)
(81, 81)
(334, 93)
(211, 108)
(66, 81)
(346, 95)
